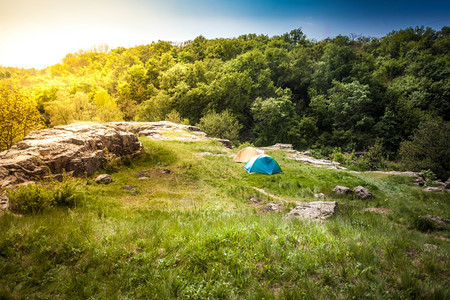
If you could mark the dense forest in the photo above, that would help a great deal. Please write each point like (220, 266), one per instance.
(389, 96)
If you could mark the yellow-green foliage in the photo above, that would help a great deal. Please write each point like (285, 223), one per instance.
(68, 108)
(107, 110)
(18, 115)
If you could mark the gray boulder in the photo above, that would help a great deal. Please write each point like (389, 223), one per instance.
(4, 202)
(341, 190)
(319, 210)
(272, 207)
(103, 178)
(362, 192)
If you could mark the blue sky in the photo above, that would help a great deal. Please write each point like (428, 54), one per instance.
(38, 33)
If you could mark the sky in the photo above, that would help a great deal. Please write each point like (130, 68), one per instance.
(39, 33)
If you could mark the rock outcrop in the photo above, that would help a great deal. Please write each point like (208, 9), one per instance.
(319, 210)
(78, 148)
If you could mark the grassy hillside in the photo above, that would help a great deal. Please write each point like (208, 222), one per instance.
(193, 233)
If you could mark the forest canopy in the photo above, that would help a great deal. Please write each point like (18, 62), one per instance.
(347, 92)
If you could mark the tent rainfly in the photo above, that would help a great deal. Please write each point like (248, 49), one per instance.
(263, 164)
(246, 153)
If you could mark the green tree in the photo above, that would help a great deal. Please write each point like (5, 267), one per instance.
(154, 109)
(68, 108)
(429, 148)
(18, 115)
(349, 106)
(107, 110)
(275, 119)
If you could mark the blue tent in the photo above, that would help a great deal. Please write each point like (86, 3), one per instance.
(263, 164)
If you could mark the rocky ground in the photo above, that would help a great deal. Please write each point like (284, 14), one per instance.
(82, 149)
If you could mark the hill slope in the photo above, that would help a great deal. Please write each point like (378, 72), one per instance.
(177, 224)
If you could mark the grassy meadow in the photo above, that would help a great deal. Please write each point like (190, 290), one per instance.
(192, 233)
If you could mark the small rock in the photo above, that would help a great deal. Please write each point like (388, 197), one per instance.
(142, 174)
(129, 188)
(103, 178)
(341, 190)
(272, 207)
(319, 195)
(430, 247)
(307, 153)
(362, 192)
(167, 171)
(254, 200)
(434, 189)
(4, 202)
(319, 210)
(143, 178)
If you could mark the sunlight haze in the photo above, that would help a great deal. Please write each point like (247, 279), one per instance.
(40, 33)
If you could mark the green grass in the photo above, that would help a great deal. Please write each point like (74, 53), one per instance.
(194, 234)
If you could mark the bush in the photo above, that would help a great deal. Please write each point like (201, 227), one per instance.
(373, 159)
(223, 125)
(339, 157)
(428, 175)
(35, 198)
(65, 194)
(30, 199)
(175, 117)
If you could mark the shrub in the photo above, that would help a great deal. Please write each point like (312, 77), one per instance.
(222, 125)
(65, 194)
(374, 156)
(338, 156)
(428, 175)
(112, 163)
(30, 199)
(35, 198)
(175, 117)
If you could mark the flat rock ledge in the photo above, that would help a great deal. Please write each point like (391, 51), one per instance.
(159, 131)
(76, 148)
(318, 210)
